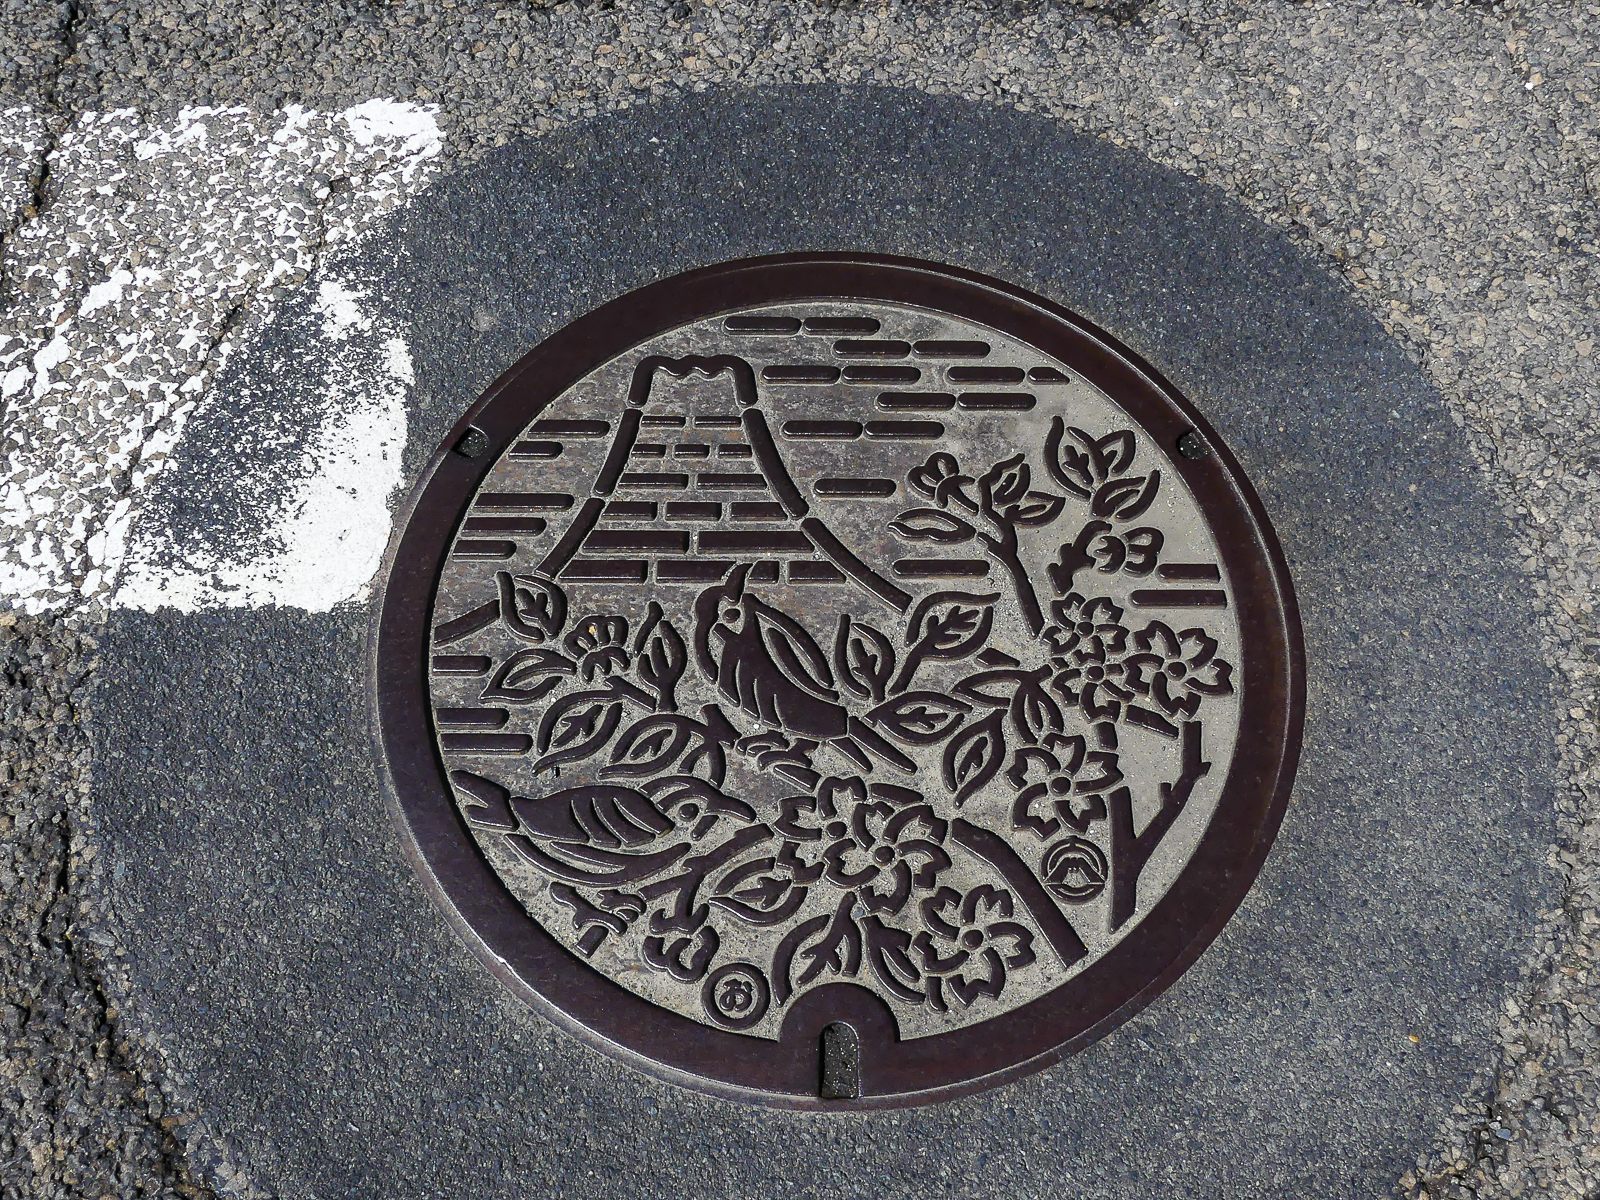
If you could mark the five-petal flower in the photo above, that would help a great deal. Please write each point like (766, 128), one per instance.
(969, 944)
(1177, 670)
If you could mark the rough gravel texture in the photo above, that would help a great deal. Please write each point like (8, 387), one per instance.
(76, 1118)
(1442, 159)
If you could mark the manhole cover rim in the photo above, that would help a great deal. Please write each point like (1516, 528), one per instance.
(578, 998)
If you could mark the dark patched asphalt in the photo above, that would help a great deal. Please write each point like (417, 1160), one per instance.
(332, 1028)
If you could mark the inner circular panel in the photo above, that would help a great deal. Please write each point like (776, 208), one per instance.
(766, 639)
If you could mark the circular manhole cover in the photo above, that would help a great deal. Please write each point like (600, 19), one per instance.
(830, 680)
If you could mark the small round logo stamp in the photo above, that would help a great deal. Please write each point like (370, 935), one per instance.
(825, 639)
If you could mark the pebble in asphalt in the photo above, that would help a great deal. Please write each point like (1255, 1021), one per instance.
(1440, 159)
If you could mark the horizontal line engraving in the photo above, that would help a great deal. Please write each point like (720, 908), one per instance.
(472, 718)
(649, 450)
(757, 541)
(855, 487)
(800, 373)
(991, 401)
(675, 541)
(842, 325)
(731, 479)
(466, 548)
(882, 374)
(485, 743)
(716, 421)
(461, 664)
(756, 510)
(756, 323)
(1179, 598)
(536, 450)
(822, 429)
(814, 572)
(879, 348)
(947, 348)
(654, 479)
(1189, 571)
(663, 421)
(632, 570)
(941, 568)
(691, 570)
(985, 374)
(540, 501)
(916, 401)
(691, 450)
(631, 510)
(577, 429)
(693, 510)
(734, 450)
(528, 525)
(910, 430)
(1048, 375)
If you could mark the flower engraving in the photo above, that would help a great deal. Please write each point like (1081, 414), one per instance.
(869, 845)
(1059, 776)
(969, 944)
(1177, 670)
(599, 644)
(1087, 643)
(940, 480)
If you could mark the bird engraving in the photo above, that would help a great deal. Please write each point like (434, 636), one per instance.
(601, 835)
(764, 661)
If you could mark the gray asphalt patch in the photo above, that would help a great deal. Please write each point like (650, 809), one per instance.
(338, 1039)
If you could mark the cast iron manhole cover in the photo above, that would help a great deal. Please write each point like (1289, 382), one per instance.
(833, 680)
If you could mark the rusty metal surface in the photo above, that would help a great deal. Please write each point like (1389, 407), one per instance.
(821, 640)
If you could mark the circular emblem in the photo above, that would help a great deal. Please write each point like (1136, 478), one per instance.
(1074, 870)
(823, 640)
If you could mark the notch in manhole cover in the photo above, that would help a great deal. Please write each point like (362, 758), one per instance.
(829, 644)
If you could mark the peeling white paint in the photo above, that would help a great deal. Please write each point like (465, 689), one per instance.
(161, 236)
(326, 540)
(103, 294)
(340, 313)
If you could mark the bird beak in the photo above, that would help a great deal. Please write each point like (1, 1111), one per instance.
(706, 607)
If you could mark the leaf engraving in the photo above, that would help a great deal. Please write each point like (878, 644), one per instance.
(1127, 498)
(576, 726)
(919, 718)
(863, 658)
(662, 657)
(931, 525)
(528, 675)
(974, 755)
(1036, 508)
(948, 626)
(649, 746)
(532, 607)
(1005, 483)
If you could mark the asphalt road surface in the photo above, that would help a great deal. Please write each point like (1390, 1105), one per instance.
(181, 183)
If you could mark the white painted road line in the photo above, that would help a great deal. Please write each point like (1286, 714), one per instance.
(158, 256)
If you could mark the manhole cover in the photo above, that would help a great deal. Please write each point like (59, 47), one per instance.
(832, 681)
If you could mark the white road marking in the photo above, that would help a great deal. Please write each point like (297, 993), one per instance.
(153, 261)
(325, 541)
